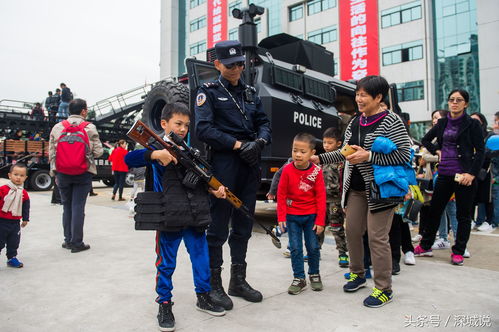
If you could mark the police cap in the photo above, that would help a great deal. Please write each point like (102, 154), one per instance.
(229, 51)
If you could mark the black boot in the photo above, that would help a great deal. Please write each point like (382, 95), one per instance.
(166, 320)
(217, 294)
(239, 287)
(206, 304)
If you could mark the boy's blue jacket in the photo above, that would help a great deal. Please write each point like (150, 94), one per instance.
(141, 158)
(393, 181)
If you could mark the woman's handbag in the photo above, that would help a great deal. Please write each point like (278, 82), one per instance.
(375, 196)
(412, 210)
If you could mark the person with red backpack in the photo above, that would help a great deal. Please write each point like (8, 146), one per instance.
(73, 145)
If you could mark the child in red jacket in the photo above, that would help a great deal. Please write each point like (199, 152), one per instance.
(14, 206)
(301, 208)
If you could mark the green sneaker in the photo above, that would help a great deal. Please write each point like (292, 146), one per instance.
(343, 260)
(378, 298)
(315, 282)
(297, 286)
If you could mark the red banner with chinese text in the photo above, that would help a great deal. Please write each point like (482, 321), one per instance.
(359, 44)
(216, 22)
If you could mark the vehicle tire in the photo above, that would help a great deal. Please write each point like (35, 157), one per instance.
(108, 182)
(40, 180)
(161, 94)
(129, 180)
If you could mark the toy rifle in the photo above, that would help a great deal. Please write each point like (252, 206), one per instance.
(191, 159)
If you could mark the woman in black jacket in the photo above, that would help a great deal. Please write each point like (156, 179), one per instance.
(460, 149)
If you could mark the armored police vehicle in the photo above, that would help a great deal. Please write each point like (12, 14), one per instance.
(293, 77)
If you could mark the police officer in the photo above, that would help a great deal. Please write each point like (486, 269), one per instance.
(231, 120)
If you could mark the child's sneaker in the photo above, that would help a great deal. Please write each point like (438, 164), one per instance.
(416, 238)
(343, 260)
(297, 286)
(354, 283)
(440, 244)
(456, 259)
(205, 303)
(378, 298)
(315, 282)
(367, 274)
(466, 254)
(409, 258)
(14, 262)
(287, 253)
(277, 232)
(420, 252)
(166, 320)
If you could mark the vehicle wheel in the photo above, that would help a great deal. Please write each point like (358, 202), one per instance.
(161, 94)
(108, 182)
(129, 180)
(40, 180)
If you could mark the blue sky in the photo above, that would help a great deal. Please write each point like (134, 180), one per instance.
(98, 48)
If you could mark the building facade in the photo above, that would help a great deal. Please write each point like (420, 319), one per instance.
(426, 47)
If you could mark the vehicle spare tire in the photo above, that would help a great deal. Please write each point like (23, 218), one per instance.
(161, 94)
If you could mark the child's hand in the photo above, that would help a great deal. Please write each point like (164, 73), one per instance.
(408, 196)
(24, 223)
(270, 197)
(315, 159)
(318, 229)
(282, 226)
(163, 157)
(219, 193)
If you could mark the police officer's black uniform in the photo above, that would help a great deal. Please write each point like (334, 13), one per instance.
(226, 114)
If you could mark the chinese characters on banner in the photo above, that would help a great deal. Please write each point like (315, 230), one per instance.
(358, 38)
(217, 21)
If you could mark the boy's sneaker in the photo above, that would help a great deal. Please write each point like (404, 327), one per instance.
(277, 232)
(14, 262)
(297, 286)
(466, 254)
(456, 259)
(378, 298)
(420, 252)
(343, 260)
(166, 320)
(440, 244)
(354, 283)
(315, 282)
(485, 227)
(367, 274)
(409, 258)
(395, 268)
(287, 253)
(417, 238)
(205, 303)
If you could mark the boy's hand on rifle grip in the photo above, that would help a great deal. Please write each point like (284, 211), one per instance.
(219, 193)
(163, 157)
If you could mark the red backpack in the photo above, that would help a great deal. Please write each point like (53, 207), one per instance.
(72, 148)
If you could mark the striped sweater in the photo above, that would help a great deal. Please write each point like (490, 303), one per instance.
(392, 127)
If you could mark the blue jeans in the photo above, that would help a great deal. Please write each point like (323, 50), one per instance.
(301, 227)
(167, 244)
(495, 201)
(63, 111)
(449, 214)
(119, 182)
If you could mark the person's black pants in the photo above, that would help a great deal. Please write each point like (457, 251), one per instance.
(400, 235)
(243, 181)
(445, 186)
(10, 235)
(119, 182)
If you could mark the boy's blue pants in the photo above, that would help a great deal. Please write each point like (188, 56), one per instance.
(167, 244)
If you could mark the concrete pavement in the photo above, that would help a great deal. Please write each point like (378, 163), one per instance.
(111, 286)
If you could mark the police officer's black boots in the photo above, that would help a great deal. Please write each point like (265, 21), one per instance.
(238, 285)
(217, 294)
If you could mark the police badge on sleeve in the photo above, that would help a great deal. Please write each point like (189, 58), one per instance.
(200, 99)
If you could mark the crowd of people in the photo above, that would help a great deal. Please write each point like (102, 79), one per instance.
(363, 188)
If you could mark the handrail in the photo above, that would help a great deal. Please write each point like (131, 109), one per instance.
(24, 105)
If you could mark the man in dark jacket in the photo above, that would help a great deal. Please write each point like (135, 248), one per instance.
(66, 97)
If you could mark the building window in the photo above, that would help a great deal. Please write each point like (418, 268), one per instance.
(317, 6)
(410, 91)
(195, 3)
(402, 53)
(234, 4)
(296, 12)
(234, 34)
(198, 23)
(197, 48)
(324, 35)
(401, 14)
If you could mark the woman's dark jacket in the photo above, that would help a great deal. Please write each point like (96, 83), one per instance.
(470, 145)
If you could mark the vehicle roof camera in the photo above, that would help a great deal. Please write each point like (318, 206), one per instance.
(248, 14)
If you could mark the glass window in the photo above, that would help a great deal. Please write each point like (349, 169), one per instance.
(317, 6)
(323, 36)
(198, 23)
(402, 53)
(401, 14)
(197, 48)
(234, 4)
(295, 12)
(410, 91)
(233, 34)
(195, 3)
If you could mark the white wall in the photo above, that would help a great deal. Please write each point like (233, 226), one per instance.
(168, 61)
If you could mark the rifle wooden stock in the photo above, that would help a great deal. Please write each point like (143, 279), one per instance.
(143, 135)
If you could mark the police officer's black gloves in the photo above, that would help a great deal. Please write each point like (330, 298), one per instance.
(250, 151)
